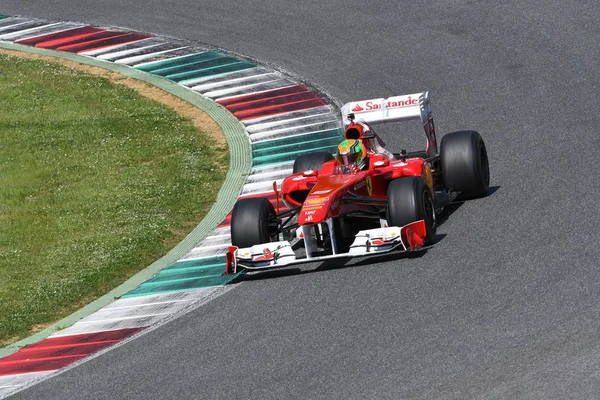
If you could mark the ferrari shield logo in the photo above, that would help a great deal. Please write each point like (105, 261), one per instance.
(369, 185)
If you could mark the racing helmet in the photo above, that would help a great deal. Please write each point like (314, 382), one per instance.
(352, 152)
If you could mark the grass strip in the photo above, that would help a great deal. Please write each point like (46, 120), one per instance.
(96, 182)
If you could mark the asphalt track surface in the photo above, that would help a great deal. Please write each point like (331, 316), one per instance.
(506, 305)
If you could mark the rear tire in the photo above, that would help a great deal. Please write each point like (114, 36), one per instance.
(409, 199)
(253, 221)
(312, 161)
(465, 166)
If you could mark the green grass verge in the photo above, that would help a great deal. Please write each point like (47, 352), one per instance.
(96, 182)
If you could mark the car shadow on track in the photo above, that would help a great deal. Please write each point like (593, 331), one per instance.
(454, 206)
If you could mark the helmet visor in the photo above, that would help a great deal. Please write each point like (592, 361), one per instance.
(347, 159)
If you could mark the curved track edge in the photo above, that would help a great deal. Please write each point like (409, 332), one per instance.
(268, 116)
(239, 166)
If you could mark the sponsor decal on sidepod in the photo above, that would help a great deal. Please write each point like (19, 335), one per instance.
(316, 201)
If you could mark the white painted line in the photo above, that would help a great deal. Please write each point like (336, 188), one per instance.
(324, 116)
(216, 236)
(276, 83)
(103, 326)
(244, 84)
(24, 32)
(119, 317)
(117, 306)
(124, 53)
(144, 45)
(268, 176)
(227, 76)
(12, 22)
(275, 167)
(162, 298)
(135, 59)
(12, 383)
(170, 59)
(136, 45)
(111, 48)
(226, 230)
(211, 248)
(293, 131)
(219, 241)
(237, 82)
(260, 187)
(16, 380)
(288, 84)
(59, 29)
(203, 252)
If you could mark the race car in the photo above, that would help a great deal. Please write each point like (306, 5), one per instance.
(364, 200)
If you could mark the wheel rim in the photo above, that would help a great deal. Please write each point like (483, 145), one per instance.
(429, 209)
(273, 227)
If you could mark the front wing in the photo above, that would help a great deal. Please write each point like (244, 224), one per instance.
(369, 242)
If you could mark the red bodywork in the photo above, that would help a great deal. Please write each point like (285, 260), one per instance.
(322, 194)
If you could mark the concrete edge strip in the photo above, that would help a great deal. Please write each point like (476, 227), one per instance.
(239, 166)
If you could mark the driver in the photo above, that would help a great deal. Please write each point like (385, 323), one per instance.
(352, 155)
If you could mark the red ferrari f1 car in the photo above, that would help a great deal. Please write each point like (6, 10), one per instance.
(364, 200)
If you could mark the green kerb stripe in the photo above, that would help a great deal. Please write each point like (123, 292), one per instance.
(336, 134)
(200, 58)
(161, 280)
(220, 71)
(181, 285)
(287, 157)
(286, 148)
(185, 275)
(185, 81)
(178, 266)
(191, 272)
(174, 61)
(233, 65)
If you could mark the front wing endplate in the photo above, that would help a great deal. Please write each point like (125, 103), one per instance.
(369, 242)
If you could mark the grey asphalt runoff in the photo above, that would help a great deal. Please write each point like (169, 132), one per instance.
(506, 305)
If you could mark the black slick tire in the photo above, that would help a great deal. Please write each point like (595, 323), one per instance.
(253, 221)
(409, 199)
(311, 161)
(464, 163)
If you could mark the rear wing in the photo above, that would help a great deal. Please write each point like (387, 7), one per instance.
(394, 109)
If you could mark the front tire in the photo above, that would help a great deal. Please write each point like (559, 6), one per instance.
(464, 162)
(253, 221)
(409, 199)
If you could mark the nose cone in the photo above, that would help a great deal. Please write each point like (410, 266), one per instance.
(316, 207)
(314, 210)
